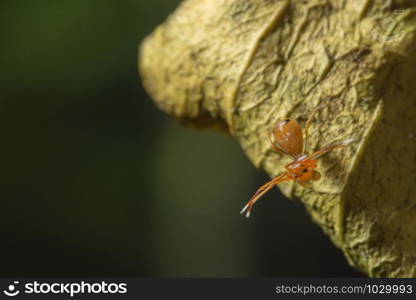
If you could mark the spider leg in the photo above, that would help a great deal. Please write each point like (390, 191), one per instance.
(305, 184)
(307, 124)
(321, 152)
(263, 190)
(249, 206)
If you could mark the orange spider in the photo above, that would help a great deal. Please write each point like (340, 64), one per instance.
(289, 140)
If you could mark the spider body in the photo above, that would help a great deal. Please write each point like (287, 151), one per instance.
(290, 139)
(288, 135)
(302, 169)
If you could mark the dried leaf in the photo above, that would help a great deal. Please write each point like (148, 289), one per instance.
(243, 64)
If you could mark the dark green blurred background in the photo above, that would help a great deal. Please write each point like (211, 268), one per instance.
(95, 181)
